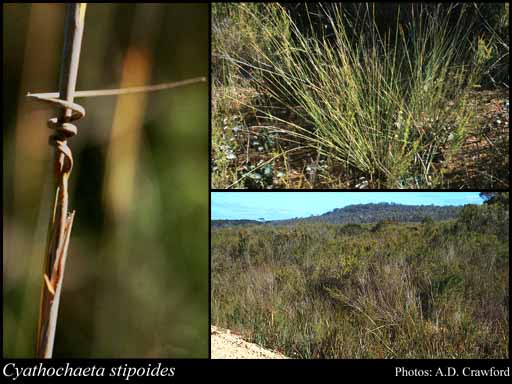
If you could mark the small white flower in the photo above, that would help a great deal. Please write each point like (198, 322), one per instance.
(362, 185)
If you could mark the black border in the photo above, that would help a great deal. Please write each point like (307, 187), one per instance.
(241, 370)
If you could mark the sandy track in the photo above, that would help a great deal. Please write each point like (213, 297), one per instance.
(226, 345)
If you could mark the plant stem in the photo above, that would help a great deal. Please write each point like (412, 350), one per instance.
(122, 91)
(61, 221)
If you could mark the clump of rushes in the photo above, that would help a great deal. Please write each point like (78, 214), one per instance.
(392, 106)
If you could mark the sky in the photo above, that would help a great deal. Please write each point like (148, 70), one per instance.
(287, 205)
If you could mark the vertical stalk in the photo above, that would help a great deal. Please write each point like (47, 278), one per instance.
(61, 221)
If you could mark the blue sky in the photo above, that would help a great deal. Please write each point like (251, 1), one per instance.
(285, 205)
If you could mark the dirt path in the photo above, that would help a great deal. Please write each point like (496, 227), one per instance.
(226, 345)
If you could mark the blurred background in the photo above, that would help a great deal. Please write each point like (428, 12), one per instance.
(136, 280)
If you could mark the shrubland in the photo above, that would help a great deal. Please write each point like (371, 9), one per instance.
(435, 289)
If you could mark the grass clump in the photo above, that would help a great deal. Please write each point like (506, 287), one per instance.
(387, 105)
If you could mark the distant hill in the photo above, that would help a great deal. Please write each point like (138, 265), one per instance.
(362, 214)
(372, 213)
(232, 223)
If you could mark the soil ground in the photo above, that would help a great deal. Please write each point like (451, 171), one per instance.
(226, 345)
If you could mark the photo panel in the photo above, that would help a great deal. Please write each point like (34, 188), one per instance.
(359, 275)
(118, 267)
(360, 96)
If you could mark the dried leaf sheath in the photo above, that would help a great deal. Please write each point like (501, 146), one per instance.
(61, 221)
(50, 295)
